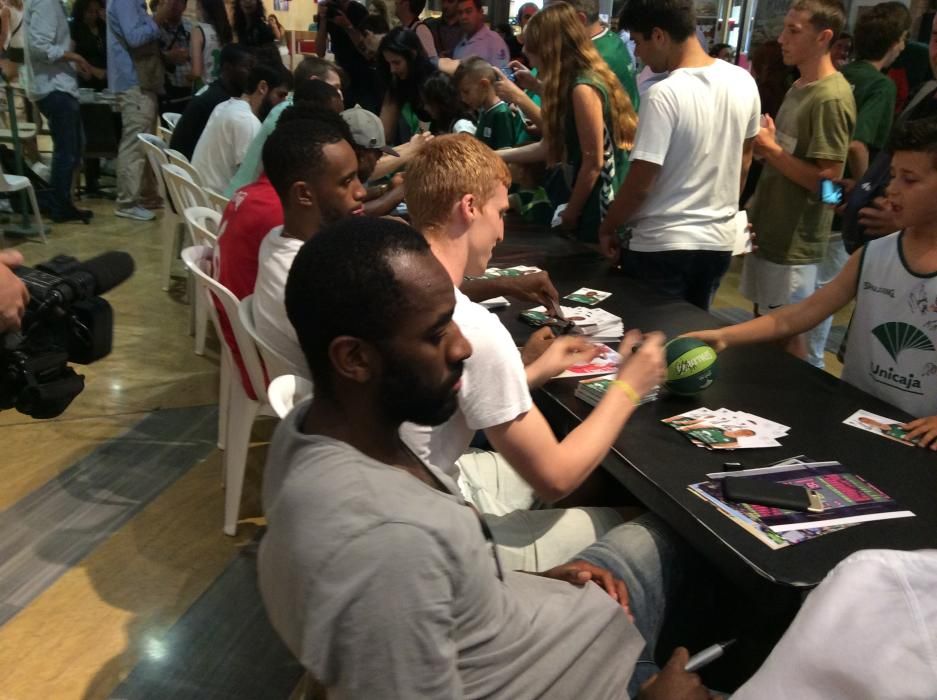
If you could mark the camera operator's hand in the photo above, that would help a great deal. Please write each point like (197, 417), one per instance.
(13, 293)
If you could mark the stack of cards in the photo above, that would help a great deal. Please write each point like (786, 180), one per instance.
(722, 429)
(592, 390)
(599, 325)
(588, 297)
(886, 427)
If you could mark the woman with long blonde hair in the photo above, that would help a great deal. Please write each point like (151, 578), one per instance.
(588, 120)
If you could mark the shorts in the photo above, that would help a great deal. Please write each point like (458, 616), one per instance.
(527, 537)
(772, 286)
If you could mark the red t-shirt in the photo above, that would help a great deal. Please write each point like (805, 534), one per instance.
(252, 212)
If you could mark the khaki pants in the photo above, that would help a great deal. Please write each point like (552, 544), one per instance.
(135, 181)
(527, 540)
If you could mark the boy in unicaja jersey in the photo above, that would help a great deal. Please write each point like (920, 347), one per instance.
(893, 336)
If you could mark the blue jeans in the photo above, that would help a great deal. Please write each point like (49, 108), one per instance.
(646, 555)
(691, 275)
(61, 111)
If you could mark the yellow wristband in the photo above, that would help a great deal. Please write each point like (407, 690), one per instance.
(628, 389)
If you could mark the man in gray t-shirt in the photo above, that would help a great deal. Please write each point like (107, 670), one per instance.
(377, 574)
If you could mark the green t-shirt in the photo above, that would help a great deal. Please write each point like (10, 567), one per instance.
(875, 104)
(589, 221)
(409, 117)
(496, 126)
(816, 121)
(618, 58)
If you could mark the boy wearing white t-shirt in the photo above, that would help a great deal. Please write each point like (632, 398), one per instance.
(234, 123)
(457, 196)
(691, 156)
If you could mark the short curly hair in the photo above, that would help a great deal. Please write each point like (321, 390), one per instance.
(342, 282)
(293, 152)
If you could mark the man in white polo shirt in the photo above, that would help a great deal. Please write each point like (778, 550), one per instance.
(691, 155)
(479, 39)
(234, 123)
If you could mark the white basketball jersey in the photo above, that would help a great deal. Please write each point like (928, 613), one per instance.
(892, 350)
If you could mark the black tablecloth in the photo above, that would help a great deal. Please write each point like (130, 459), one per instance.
(656, 463)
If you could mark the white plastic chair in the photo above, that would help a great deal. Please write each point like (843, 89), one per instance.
(17, 183)
(237, 410)
(171, 119)
(202, 224)
(185, 191)
(216, 200)
(179, 159)
(155, 149)
(286, 391)
(275, 363)
(164, 133)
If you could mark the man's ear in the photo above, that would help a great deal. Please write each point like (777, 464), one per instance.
(263, 88)
(826, 36)
(353, 359)
(302, 194)
(467, 208)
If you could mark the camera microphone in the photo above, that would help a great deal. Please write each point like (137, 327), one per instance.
(66, 281)
(106, 270)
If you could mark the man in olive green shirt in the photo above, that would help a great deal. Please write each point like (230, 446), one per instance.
(810, 142)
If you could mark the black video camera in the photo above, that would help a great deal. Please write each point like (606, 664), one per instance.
(65, 321)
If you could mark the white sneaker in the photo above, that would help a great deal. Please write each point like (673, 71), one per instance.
(137, 213)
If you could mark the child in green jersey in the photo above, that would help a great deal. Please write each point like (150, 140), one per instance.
(496, 125)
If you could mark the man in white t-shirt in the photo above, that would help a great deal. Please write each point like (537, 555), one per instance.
(690, 158)
(234, 123)
(457, 196)
(312, 165)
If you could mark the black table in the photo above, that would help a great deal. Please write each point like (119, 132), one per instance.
(657, 464)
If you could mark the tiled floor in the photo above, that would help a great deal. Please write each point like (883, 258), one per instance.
(115, 577)
(111, 514)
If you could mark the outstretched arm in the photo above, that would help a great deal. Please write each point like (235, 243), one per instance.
(793, 319)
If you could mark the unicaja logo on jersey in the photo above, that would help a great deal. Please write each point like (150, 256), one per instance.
(897, 337)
